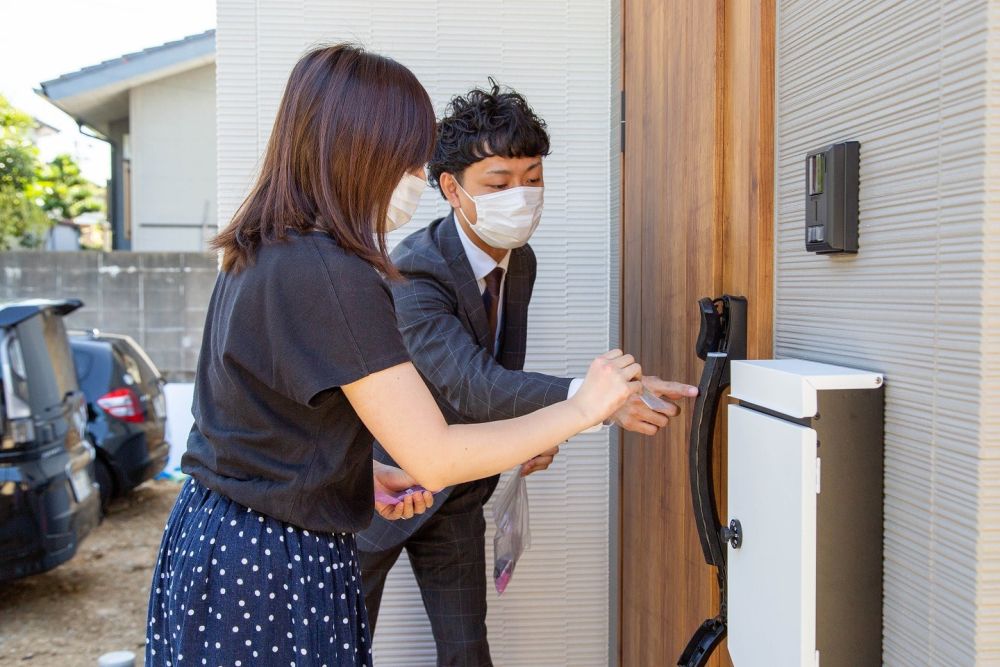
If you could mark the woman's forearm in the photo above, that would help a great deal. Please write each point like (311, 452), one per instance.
(475, 451)
(399, 410)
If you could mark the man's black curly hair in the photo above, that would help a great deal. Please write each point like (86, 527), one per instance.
(483, 123)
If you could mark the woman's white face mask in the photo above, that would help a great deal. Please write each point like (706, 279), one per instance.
(508, 218)
(404, 201)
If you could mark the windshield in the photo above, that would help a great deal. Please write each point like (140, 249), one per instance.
(60, 354)
(41, 362)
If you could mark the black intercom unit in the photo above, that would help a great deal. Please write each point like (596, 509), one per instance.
(832, 199)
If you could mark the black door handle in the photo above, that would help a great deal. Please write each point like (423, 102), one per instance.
(713, 384)
(722, 338)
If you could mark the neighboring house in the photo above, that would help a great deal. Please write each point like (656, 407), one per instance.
(157, 110)
(40, 130)
(64, 236)
(697, 188)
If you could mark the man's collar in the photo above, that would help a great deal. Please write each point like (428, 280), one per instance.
(479, 260)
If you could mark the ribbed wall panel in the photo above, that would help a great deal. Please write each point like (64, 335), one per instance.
(988, 599)
(614, 282)
(909, 81)
(236, 103)
(556, 52)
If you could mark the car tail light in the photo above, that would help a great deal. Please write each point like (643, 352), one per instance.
(122, 404)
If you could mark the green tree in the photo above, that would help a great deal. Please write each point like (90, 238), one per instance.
(18, 156)
(22, 222)
(33, 195)
(62, 192)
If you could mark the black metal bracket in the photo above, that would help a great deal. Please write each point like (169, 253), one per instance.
(732, 534)
(722, 338)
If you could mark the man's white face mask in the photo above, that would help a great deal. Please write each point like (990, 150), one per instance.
(404, 202)
(508, 218)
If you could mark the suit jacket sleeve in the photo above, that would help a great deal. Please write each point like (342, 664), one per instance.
(450, 358)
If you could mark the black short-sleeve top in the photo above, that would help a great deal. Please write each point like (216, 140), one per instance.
(273, 430)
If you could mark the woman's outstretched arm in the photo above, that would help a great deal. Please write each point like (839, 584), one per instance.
(399, 410)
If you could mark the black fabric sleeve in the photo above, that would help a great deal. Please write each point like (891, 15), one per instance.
(345, 330)
(462, 371)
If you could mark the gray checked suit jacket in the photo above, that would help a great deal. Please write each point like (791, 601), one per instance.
(440, 313)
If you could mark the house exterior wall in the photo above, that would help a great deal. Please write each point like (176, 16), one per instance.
(556, 52)
(916, 84)
(988, 505)
(172, 152)
(615, 325)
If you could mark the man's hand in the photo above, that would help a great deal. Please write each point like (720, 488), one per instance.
(540, 462)
(390, 480)
(636, 416)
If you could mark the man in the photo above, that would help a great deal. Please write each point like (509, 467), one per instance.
(463, 313)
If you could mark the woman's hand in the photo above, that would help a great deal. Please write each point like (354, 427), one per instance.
(612, 378)
(391, 481)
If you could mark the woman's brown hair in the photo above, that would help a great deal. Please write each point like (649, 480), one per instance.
(349, 125)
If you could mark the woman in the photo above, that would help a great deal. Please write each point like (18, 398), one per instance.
(301, 366)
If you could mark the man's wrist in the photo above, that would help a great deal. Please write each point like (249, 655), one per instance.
(574, 386)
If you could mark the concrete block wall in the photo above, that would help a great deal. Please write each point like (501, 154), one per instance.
(159, 299)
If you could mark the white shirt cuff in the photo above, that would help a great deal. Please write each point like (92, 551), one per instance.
(574, 387)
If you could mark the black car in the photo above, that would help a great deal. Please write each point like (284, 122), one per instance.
(48, 497)
(126, 410)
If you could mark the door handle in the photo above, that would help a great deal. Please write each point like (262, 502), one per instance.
(714, 380)
(722, 338)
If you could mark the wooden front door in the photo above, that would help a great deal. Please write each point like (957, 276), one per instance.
(697, 221)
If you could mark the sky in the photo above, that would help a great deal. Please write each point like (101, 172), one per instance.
(43, 40)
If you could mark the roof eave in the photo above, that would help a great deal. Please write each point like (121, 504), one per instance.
(85, 94)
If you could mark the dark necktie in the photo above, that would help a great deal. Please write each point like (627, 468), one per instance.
(491, 302)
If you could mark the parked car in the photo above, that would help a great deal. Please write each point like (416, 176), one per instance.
(49, 500)
(126, 411)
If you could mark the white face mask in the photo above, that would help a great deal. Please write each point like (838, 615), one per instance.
(508, 218)
(404, 202)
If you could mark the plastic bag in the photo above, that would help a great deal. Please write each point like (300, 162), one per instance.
(513, 533)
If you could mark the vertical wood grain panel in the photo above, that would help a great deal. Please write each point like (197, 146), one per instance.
(672, 253)
(698, 221)
(748, 165)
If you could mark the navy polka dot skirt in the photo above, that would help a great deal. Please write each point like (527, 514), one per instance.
(235, 587)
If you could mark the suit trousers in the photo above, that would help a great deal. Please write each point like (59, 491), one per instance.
(448, 555)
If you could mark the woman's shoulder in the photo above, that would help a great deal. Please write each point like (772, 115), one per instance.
(307, 250)
(314, 260)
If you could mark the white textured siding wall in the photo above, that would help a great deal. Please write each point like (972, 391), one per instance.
(988, 552)
(614, 282)
(556, 52)
(909, 81)
(172, 143)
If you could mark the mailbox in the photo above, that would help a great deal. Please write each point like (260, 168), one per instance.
(805, 490)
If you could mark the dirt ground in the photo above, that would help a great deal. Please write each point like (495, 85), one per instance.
(96, 602)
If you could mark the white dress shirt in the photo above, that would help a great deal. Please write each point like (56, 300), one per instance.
(482, 264)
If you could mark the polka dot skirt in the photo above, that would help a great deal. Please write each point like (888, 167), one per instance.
(234, 587)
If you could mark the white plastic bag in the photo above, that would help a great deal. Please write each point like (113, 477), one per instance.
(513, 533)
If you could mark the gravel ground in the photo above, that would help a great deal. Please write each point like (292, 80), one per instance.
(96, 602)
